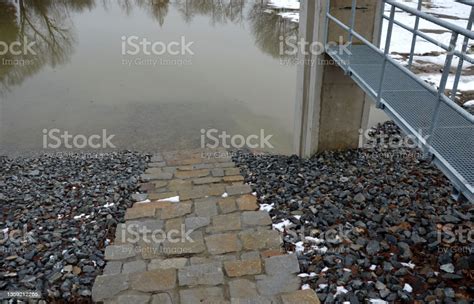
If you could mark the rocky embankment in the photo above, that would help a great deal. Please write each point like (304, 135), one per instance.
(369, 225)
(57, 213)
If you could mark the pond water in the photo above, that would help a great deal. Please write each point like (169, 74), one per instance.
(81, 77)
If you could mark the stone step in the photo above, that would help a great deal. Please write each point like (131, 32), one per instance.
(196, 236)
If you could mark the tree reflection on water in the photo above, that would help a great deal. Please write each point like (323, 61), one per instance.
(49, 24)
(270, 30)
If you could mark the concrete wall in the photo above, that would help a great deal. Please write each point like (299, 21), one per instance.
(332, 108)
(342, 113)
(366, 18)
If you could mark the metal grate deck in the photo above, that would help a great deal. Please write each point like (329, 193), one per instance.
(412, 106)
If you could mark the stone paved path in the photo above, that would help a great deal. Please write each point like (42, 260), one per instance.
(212, 246)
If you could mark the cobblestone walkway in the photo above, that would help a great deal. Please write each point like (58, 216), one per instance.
(211, 246)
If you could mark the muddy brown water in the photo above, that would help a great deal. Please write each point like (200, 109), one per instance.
(80, 81)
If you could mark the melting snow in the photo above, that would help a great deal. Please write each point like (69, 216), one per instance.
(305, 286)
(440, 60)
(402, 39)
(321, 250)
(285, 4)
(173, 199)
(279, 5)
(470, 103)
(314, 240)
(341, 290)
(266, 207)
(322, 286)
(409, 264)
(299, 247)
(293, 17)
(466, 83)
(281, 226)
(407, 288)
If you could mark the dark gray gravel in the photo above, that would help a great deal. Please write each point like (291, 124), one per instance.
(372, 224)
(59, 213)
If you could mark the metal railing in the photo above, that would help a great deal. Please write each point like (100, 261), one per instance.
(451, 48)
(455, 30)
(439, 94)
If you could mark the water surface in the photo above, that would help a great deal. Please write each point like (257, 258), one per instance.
(235, 81)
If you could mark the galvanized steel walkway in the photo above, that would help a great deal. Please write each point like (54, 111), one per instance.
(444, 129)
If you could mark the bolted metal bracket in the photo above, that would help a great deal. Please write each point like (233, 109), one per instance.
(458, 196)
(428, 156)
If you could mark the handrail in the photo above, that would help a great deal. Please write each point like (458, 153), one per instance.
(415, 30)
(440, 22)
(448, 101)
(432, 40)
(461, 60)
(466, 2)
(439, 94)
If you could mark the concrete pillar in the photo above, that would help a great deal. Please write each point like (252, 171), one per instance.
(330, 107)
